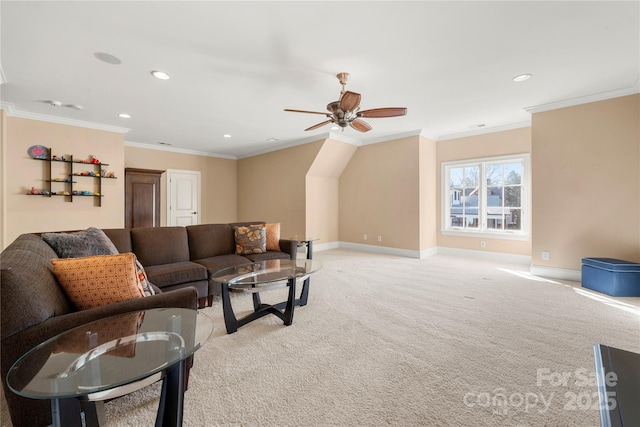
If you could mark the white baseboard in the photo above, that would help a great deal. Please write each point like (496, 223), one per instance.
(491, 256)
(424, 253)
(379, 249)
(556, 273)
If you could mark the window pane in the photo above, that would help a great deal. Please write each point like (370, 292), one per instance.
(471, 176)
(494, 174)
(513, 196)
(494, 196)
(513, 173)
(513, 219)
(455, 177)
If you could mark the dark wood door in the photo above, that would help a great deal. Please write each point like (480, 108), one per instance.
(142, 198)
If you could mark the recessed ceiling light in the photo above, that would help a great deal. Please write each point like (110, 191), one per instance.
(160, 75)
(522, 77)
(124, 116)
(108, 58)
(226, 135)
(272, 139)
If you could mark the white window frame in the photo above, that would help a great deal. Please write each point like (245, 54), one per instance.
(482, 230)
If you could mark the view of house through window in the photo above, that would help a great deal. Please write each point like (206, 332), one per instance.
(485, 195)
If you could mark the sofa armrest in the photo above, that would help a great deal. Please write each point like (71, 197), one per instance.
(289, 247)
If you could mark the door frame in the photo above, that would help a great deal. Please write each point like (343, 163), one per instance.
(170, 173)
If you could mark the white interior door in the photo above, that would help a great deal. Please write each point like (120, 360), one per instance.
(183, 199)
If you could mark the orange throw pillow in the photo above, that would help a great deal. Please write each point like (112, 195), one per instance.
(273, 237)
(95, 281)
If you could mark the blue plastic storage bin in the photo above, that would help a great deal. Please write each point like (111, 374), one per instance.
(610, 276)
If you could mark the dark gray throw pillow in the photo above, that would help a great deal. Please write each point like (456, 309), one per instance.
(89, 242)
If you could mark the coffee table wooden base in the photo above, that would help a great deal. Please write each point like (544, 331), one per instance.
(283, 310)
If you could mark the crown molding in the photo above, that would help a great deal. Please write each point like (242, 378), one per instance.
(481, 131)
(393, 137)
(584, 99)
(176, 150)
(12, 112)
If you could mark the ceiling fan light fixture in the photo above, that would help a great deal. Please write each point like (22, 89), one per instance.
(346, 110)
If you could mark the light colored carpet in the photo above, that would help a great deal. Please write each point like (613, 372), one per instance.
(386, 340)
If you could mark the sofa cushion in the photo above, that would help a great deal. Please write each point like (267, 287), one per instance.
(251, 239)
(160, 246)
(91, 241)
(273, 237)
(213, 264)
(95, 281)
(209, 240)
(121, 238)
(267, 255)
(176, 273)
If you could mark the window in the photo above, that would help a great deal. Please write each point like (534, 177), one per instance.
(488, 196)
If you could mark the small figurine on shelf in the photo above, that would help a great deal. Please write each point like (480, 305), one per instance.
(35, 191)
(93, 160)
(46, 192)
(92, 173)
(54, 158)
(63, 159)
(74, 192)
(110, 175)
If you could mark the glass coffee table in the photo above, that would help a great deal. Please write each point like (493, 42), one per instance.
(80, 368)
(259, 277)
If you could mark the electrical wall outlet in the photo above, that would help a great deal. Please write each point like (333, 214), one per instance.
(482, 243)
(365, 237)
(379, 238)
(545, 255)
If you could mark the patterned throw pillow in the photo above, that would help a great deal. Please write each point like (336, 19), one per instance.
(144, 281)
(273, 237)
(91, 241)
(95, 281)
(251, 239)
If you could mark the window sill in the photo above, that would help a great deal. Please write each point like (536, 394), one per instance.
(487, 234)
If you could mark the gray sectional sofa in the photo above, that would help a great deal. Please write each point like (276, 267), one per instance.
(34, 307)
(177, 257)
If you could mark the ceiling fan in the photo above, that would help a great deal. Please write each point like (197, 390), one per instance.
(346, 110)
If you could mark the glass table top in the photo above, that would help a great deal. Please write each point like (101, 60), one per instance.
(109, 353)
(265, 272)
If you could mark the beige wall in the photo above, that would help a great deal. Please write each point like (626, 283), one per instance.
(515, 141)
(272, 187)
(219, 180)
(379, 195)
(24, 213)
(586, 185)
(3, 181)
(322, 210)
(428, 194)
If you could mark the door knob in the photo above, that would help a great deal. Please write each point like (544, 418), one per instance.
(194, 213)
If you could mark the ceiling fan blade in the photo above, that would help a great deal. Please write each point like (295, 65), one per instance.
(319, 125)
(305, 111)
(383, 112)
(360, 125)
(349, 101)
